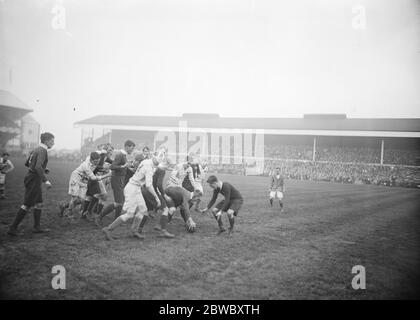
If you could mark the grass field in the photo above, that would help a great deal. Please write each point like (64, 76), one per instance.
(306, 252)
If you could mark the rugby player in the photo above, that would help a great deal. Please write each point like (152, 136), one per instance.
(231, 204)
(6, 166)
(79, 180)
(119, 171)
(37, 169)
(134, 204)
(276, 188)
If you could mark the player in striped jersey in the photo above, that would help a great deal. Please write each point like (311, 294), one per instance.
(277, 188)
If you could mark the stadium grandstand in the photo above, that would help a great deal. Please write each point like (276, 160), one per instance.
(19, 132)
(315, 147)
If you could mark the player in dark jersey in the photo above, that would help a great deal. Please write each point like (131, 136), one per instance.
(178, 197)
(37, 168)
(277, 188)
(231, 204)
(119, 171)
(96, 192)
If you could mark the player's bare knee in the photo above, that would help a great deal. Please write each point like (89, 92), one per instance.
(127, 216)
(165, 212)
(230, 213)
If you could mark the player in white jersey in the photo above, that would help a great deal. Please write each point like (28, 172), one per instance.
(6, 166)
(179, 173)
(195, 186)
(134, 204)
(78, 183)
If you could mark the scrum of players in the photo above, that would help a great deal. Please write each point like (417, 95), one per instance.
(136, 181)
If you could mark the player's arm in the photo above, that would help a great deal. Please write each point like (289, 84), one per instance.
(9, 167)
(174, 177)
(149, 184)
(118, 162)
(39, 158)
(212, 201)
(186, 215)
(282, 185)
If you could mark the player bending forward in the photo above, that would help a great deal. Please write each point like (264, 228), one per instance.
(134, 204)
(277, 188)
(178, 197)
(231, 204)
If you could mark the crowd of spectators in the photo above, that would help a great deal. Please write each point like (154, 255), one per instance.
(347, 172)
(298, 152)
(410, 157)
(402, 157)
(348, 154)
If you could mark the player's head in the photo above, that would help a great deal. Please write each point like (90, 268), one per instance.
(109, 149)
(5, 155)
(213, 182)
(94, 157)
(146, 152)
(47, 139)
(129, 146)
(278, 170)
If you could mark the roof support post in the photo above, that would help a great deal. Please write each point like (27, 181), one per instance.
(382, 151)
(314, 150)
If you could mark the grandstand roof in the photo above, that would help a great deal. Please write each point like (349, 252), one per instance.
(11, 106)
(202, 121)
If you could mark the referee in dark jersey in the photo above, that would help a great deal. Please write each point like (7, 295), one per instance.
(37, 168)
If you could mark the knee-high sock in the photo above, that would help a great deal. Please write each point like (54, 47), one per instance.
(115, 223)
(219, 221)
(18, 219)
(163, 222)
(271, 201)
(92, 203)
(118, 210)
(138, 219)
(231, 221)
(281, 204)
(86, 204)
(37, 218)
(143, 221)
(107, 210)
(99, 208)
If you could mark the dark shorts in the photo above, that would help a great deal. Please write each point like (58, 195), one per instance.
(93, 188)
(234, 205)
(118, 184)
(149, 199)
(33, 189)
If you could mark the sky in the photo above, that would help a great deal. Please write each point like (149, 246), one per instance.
(241, 58)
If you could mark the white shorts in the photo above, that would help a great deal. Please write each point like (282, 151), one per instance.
(77, 187)
(134, 200)
(279, 194)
